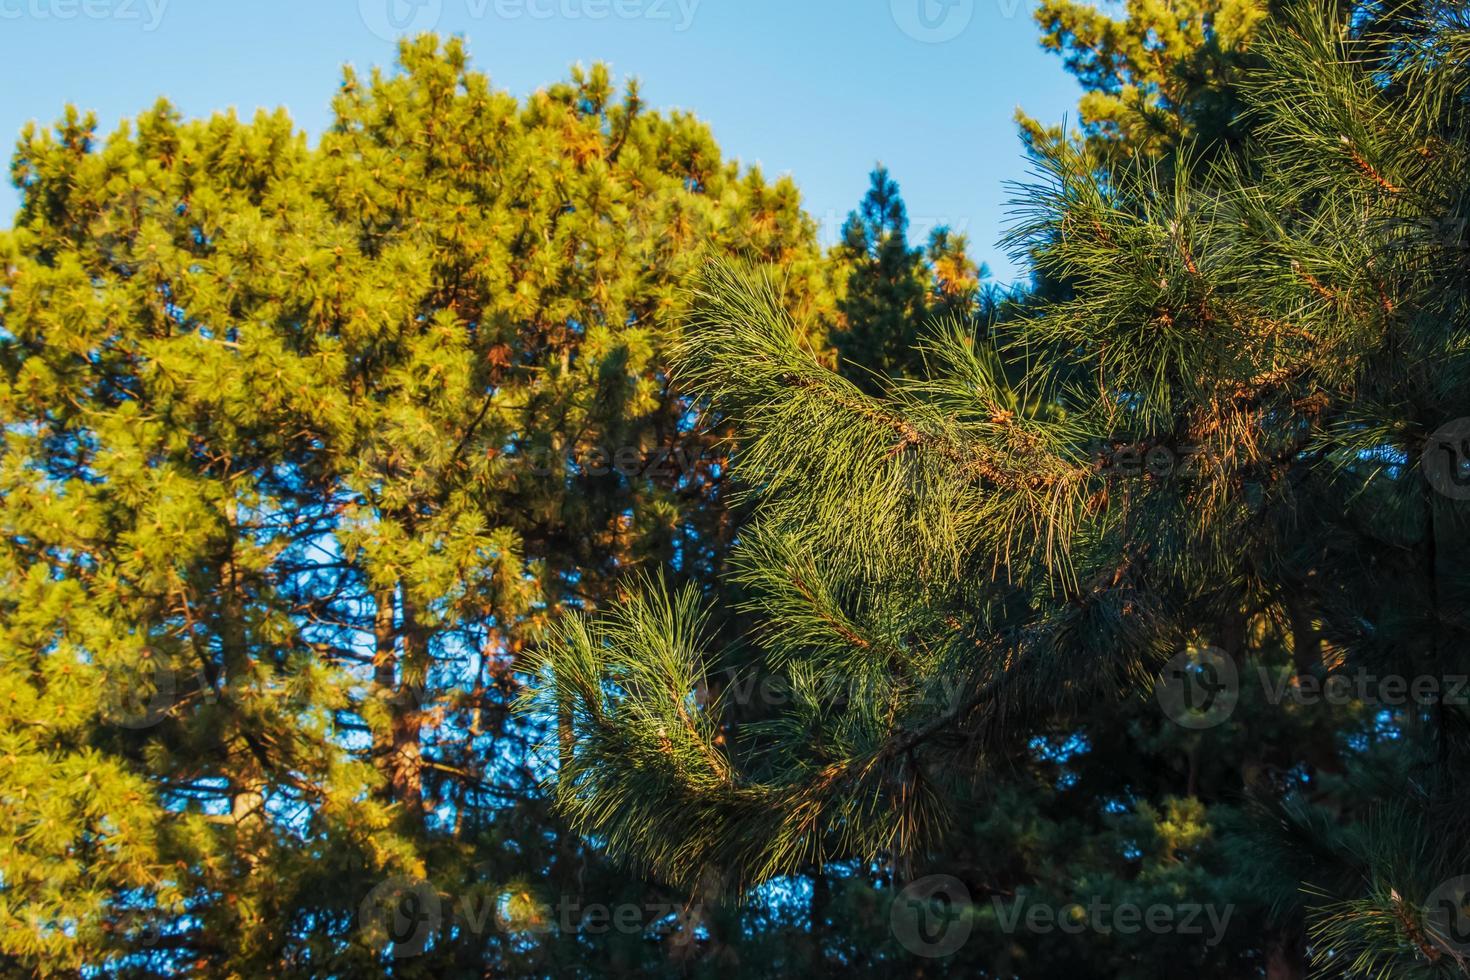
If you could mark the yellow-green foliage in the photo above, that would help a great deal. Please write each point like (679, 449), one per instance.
(1155, 71)
(267, 510)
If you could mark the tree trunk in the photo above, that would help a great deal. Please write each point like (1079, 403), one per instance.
(397, 748)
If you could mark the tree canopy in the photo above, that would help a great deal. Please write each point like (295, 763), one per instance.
(971, 573)
(494, 537)
(304, 444)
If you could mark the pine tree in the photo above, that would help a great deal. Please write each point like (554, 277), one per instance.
(304, 447)
(888, 290)
(882, 302)
(1163, 75)
(954, 583)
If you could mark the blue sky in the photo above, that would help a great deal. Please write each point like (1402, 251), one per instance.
(819, 89)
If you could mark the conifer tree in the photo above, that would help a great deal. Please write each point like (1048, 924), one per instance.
(303, 447)
(888, 289)
(1161, 75)
(882, 303)
(953, 582)
(1166, 76)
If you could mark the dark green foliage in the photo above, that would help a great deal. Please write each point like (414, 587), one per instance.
(889, 291)
(959, 575)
